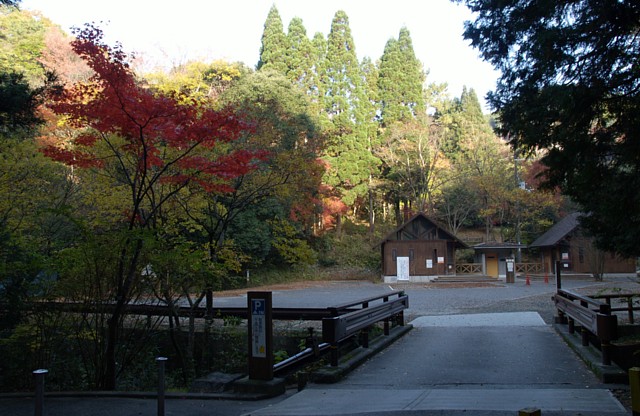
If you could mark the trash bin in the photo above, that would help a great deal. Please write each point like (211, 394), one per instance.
(511, 270)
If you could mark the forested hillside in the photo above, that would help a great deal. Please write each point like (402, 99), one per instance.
(119, 185)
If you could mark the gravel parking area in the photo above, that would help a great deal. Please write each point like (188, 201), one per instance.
(436, 298)
(442, 298)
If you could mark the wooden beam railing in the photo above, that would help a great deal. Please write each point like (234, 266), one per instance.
(469, 268)
(592, 315)
(339, 322)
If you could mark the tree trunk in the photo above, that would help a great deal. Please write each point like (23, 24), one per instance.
(123, 295)
(372, 217)
(398, 212)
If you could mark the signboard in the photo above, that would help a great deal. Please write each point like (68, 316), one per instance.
(260, 335)
(440, 260)
(429, 264)
(258, 328)
(402, 268)
(565, 256)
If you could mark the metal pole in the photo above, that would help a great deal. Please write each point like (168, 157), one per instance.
(39, 379)
(161, 361)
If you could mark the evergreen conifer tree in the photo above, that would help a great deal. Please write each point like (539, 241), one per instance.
(274, 44)
(400, 80)
(319, 63)
(465, 118)
(299, 56)
(348, 152)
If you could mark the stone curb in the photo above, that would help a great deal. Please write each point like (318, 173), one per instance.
(329, 375)
(608, 374)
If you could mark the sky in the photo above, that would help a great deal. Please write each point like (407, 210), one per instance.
(174, 32)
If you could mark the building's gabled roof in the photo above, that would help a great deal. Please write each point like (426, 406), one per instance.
(500, 246)
(559, 231)
(442, 229)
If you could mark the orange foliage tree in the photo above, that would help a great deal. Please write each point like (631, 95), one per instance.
(149, 144)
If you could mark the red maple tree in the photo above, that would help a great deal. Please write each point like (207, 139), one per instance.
(152, 144)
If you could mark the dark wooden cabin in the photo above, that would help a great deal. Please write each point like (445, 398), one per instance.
(418, 251)
(566, 243)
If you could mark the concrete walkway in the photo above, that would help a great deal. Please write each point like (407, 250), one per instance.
(483, 364)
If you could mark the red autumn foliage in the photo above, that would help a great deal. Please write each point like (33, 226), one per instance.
(161, 139)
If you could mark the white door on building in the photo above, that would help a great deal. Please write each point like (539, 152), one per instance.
(403, 268)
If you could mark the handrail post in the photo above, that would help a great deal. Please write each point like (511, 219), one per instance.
(364, 334)
(386, 320)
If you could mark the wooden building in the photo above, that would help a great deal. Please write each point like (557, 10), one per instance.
(493, 257)
(566, 243)
(418, 251)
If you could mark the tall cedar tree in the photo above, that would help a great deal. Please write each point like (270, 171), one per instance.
(466, 119)
(400, 81)
(275, 44)
(347, 106)
(570, 85)
(156, 146)
(299, 57)
(317, 91)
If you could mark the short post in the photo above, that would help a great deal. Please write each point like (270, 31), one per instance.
(161, 361)
(39, 380)
(634, 385)
(209, 305)
(386, 320)
(558, 277)
(530, 411)
(334, 354)
(364, 334)
(585, 336)
(302, 378)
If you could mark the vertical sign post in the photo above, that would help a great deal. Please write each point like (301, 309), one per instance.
(260, 336)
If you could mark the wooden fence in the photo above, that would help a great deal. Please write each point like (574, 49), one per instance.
(522, 268)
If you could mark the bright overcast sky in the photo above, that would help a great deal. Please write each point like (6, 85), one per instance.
(231, 30)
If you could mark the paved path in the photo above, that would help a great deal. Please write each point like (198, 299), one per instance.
(486, 364)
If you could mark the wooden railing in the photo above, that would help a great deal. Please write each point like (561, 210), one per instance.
(593, 316)
(339, 322)
(476, 268)
(346, 322)
(627, 299)
(469, 268)
(526, 268)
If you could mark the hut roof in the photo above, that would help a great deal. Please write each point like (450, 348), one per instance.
(559, 231)
(421, 215)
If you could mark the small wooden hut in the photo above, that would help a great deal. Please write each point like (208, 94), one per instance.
(564, 242)
(418, 251)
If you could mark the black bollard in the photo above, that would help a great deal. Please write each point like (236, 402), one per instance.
(161, 361)
(39, 379)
